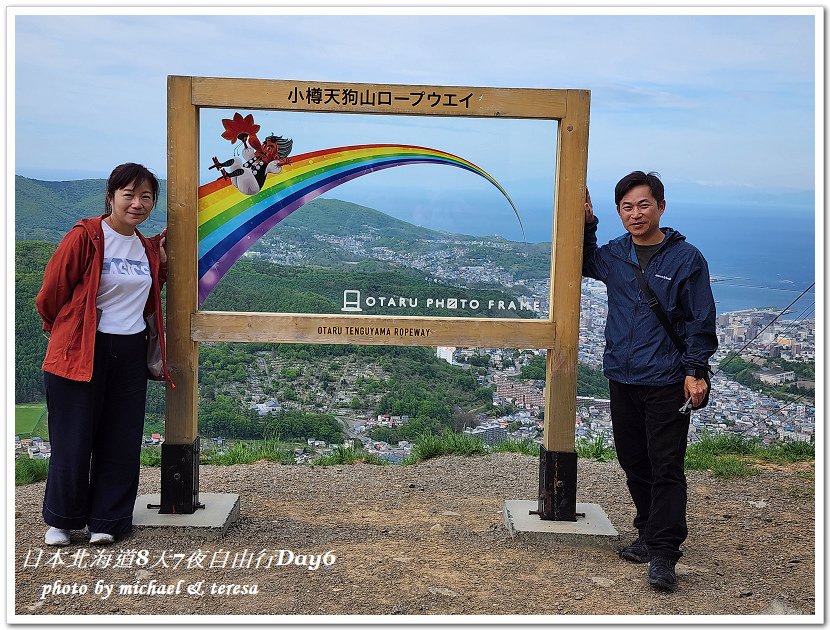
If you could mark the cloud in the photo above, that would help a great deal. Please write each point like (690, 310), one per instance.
(694, 94)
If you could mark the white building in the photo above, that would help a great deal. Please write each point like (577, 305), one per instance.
(445, 353)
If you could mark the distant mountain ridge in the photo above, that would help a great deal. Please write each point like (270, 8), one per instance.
(334, 217)
(324, 232)
(46, 211)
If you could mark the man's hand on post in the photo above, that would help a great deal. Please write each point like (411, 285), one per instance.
(589, 208)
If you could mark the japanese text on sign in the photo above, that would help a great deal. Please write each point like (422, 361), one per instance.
(378, 98)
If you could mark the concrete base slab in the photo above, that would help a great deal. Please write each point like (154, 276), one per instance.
(592, 530)
(212, 521)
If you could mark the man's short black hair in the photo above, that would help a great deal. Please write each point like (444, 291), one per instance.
(130, 173)
(639, 178)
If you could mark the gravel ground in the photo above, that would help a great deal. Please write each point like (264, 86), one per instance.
(429, 540)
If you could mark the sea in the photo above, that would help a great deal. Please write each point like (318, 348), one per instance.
(757, 257)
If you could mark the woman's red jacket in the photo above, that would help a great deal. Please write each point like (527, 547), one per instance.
(67, 300)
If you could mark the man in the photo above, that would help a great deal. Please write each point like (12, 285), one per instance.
(650, 380)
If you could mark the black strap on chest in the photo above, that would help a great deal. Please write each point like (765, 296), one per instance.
(654, 305)
(651, 299)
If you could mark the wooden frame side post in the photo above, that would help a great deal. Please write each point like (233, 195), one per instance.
(180, 451)
(557, 466)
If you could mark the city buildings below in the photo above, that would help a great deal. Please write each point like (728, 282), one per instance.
(31, 448)
(491, 433)
(523, 394)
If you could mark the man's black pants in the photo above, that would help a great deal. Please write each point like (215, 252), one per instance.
(95, 430)
(650, 436)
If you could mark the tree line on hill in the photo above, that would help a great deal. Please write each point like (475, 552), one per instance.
(258, 285)
(746, 373)
(45, 211)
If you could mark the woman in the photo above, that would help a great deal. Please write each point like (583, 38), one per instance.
(100, 302)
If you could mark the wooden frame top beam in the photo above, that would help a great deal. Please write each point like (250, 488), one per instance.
(376, 98)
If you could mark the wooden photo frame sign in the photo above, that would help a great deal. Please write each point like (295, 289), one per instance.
(187, 326)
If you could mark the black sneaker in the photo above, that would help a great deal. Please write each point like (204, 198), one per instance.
(661, 574)
(635, 552)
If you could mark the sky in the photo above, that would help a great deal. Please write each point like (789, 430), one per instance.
(722, 106)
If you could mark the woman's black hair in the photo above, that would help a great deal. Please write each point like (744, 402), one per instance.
(639, 178)
(126, 174)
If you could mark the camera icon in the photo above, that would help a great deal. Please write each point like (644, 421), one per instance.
(351, 301)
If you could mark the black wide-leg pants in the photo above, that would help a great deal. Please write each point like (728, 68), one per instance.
(95, 430)
(650, 436)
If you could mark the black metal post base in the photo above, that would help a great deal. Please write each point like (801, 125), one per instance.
(180, 478)
(557, 485)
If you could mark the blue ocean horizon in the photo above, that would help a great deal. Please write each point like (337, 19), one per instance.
(759, 257)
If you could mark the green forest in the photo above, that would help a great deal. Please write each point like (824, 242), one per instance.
(30, 340)
(255, 285)
(45, 211)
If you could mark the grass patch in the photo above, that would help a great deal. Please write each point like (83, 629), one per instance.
(429, 446)
(725, 455)
(728, 466)
(722, 465)
(728, 455)
(595, 448)
(348, 455)
(789, 451)
(30, 470)
(726, 444)
(524, 447)
(151, 456)
(243, 452)
(27, 417)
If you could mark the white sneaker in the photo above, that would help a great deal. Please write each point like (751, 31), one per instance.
(57, 537)
(101, 539)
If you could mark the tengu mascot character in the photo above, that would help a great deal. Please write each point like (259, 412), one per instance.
(258, 158)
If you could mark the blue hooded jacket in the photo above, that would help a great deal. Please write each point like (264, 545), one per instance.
(638, 351)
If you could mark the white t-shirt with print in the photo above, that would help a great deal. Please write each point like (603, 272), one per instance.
(125, 284)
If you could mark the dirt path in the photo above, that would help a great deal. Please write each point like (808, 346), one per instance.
(429, 540)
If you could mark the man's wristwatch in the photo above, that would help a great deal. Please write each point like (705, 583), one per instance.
(698, 372)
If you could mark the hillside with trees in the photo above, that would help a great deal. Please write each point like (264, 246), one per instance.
(256, 285)
(45, 211)
(30, 341)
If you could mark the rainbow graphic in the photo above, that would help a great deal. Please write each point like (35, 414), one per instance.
(230, 222)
